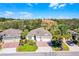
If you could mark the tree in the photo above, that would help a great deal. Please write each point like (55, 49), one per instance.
(63, 29)
(23, 39)
(1, 41)
(1, 38)
(24, 33)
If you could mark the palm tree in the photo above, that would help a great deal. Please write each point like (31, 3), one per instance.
(64, 31)
(23, 39)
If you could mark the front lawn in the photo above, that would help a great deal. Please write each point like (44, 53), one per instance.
(28, 47)
(65, 47)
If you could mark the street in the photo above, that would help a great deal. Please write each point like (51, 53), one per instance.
(42, 54)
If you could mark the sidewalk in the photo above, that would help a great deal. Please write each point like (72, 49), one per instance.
(44, 49)
(8, 50)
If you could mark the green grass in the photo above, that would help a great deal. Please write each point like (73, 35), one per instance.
(28, 47)
(65, 48)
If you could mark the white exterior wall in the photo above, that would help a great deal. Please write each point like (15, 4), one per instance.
(46, 40)
(38, 38)
(11, 40)
(31, 38)
(5, 39)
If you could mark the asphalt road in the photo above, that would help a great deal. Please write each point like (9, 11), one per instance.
(43, 54)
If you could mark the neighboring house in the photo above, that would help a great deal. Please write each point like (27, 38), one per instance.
(11, 38)
(11, 34)
(40, 34)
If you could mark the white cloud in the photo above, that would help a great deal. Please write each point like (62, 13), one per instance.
(62, 5)
(7, 13)
(22, 15)
(25, 15)
(29, 4)
(57, 5)
(53, 4)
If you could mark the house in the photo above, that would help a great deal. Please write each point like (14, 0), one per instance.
(11, 35)
(39, 34)
(11, 38)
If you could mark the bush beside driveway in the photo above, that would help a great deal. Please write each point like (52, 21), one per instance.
(64, 46)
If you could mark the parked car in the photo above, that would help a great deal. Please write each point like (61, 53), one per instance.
(70, 43)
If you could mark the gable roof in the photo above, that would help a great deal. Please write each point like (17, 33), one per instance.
(39, 32)
(11, 32)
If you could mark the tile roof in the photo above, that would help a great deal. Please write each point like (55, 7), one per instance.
(39, 32)
(11, 32)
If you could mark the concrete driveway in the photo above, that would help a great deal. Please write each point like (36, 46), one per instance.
(73, 48)
(41, 44)
(10, 44)
(43, 47)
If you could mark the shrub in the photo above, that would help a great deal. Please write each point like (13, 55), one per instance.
(75, 41)
(23, 34)
(56, 43)
(78, 43)
(55, 37)
(23, 41)
(64, 46)
(31, 42)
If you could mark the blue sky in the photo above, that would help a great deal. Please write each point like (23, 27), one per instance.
(39, 10)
